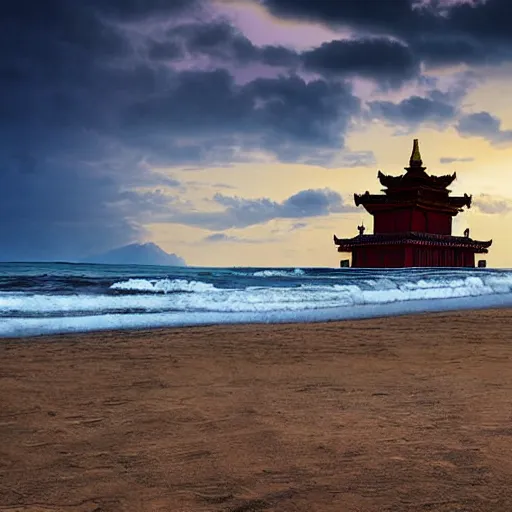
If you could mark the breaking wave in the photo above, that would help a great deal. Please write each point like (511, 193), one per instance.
(280, 273)
(162, 286)
(199, 296)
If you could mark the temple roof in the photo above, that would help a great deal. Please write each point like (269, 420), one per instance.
(415, 174)
(412, 238)
(405, 180)
(453, 202)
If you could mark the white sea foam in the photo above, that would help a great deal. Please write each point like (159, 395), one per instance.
(33, 304)
(195, 302)
(280, 273)
(205, 297)
(37, 326)
(163, 285)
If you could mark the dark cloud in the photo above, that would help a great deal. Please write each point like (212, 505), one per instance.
(451, 160)
(377, 16)
(484, 19)
(67, 71)
(84, 116)
(446, 50)
(218, 39)
(91, 102)
(238, 212)
(136, 10)
(286, 116)
(53, 214)
(390, 62)
(221, 41)
(440, 33)
(279, 56)
(440, 105)
(485, 125)
(412, 111)
(492, 204)
(297, 116)
(381, 59)
(166, 50)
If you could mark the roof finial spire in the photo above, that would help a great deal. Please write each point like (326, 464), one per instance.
(415, 160)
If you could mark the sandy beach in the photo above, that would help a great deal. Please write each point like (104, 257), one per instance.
(396, 414)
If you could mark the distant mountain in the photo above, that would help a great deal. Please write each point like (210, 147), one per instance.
(137, 254)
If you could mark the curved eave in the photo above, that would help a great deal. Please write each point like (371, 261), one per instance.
(438, 182)
(348, 244)
(389, 181)
(462, 201)
(444, 181)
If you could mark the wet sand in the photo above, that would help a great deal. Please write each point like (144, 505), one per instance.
(397, 414)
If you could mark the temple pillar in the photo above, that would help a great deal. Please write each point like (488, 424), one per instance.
(408, 256)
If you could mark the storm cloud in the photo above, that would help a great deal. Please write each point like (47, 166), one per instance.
(97, 94)
(389, 62)
(84, 118)
(413, 111)
(221, 41)
(440, 33)
(239, 212)
(485, 125)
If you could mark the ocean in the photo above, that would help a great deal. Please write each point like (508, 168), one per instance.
(49, 298)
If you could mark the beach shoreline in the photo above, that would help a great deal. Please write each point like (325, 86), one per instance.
(54, 298)
(393, 413)
(81, 325)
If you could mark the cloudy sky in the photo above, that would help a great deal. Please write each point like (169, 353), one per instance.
(234, 132)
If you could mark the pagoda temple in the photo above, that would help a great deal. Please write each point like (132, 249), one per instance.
(412, 223)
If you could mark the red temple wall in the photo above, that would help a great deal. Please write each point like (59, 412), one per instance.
(442, 257)
(383, 223)
(380, 257)
(400, 221)
(396, 221)
(419, 221)
(411, 256)
(439, 223)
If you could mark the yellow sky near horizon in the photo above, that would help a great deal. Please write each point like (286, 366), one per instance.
(273, 244)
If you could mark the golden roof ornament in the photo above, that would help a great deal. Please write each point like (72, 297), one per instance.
(415, 160)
